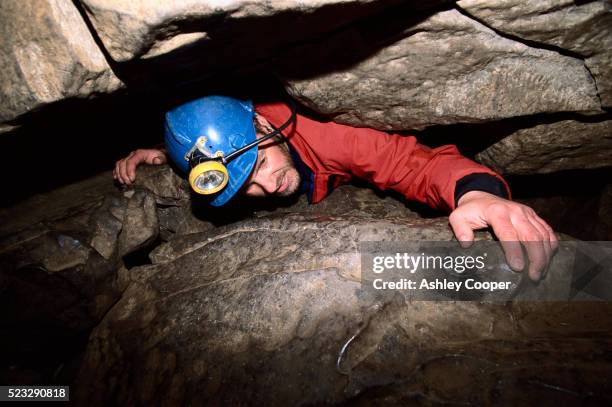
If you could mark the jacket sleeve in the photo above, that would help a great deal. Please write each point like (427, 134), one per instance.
(400, 163)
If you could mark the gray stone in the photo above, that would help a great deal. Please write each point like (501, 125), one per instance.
(445, 69)
(257, 313)
(147, 28)
(107, 222)
(546, 148)
(60, 204)
(48, 55)
(57, 252)
(168, 187)
(140, 223)
(585, 29)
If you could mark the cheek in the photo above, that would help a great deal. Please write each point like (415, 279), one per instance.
(295, 179)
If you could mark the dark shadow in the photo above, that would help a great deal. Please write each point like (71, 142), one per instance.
(73, 140)
(45, 325)
(567, 183)
(472, 138)
(240, 207)
(288, 39)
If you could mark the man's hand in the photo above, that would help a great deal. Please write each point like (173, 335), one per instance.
(513, 224)
(125, 169)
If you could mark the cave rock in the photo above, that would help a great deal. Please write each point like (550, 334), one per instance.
(258, 312)
(550, 147)
(47, 55)
(445, 69)
(584, 29)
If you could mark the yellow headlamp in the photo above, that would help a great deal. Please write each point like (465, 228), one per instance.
(208, 177)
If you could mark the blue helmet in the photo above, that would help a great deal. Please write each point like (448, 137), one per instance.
(200, 134)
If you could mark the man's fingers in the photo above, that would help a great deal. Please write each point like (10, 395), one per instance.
(117, 172)
(462, 229)
(130, 168)
(534, 242)
(537, 259)
(554, 241)
(545, 238)
(123, 172)
(505, 232)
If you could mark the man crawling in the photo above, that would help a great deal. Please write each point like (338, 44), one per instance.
(230, 146)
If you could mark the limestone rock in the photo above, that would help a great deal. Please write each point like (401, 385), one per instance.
(545, 148)
(168, 187)
(148, 28)
(445, 69)
(140, 223)
(585, 29)
(48, 55)
(345, 201)
(107, 223)
(280, 294)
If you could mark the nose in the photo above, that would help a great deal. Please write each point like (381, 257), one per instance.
(267, 182)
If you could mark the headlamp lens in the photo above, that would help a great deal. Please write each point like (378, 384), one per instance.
(209, 180)
(208, 177)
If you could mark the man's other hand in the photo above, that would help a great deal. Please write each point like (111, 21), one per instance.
(513, 224)
(125, 169)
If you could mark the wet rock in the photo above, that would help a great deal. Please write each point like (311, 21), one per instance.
(51, 251)
(546, 148)
(438, 69)
(229, 314)
(48, 55)
(60, 252)
(581, 27)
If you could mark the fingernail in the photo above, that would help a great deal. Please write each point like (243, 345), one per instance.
(517, 264)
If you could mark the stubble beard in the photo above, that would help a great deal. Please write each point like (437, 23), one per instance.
(293, 181)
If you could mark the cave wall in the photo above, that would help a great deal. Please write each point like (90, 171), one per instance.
(391, 65)
(523, 86)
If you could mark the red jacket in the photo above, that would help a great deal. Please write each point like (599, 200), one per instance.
(335, 153)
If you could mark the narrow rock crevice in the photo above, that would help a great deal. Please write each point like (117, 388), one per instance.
(114, 66)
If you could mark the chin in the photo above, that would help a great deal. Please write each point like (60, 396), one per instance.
(294, 182)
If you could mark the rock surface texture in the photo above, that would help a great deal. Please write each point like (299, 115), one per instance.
(47, 54)
(583, 30)
(258, 311)
(547, 148)
(446, 69)
(148, 28)
(385, 64)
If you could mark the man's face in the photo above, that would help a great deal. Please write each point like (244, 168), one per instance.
(274, 173)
